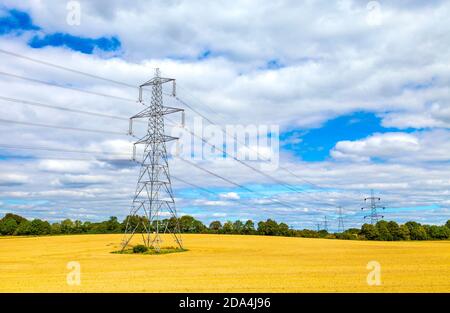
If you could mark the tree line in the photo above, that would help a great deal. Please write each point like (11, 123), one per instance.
(16, 225)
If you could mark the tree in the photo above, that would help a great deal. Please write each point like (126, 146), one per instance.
(383, 231)
(67, 226)
(113, 225)
(369, 232)
(307, 233)
(416, 231)
(215, 226)
(394, 230)
(448, 224)
(198, 227)
(269, 227)
(78, 227)
(438, 232)
(39, 227)
(187, 224)
(19, 219)
(135, 222)
(283, 229)
(248, 228)
(56, 228)
(8, 226)
(404, 233)
(238, 226)
(227, 227)
(23, 229)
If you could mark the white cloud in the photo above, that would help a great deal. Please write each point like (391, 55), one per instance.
(333, 63)
(418, 146)
(64, 166)
(10, 179)
(230, 195)
(83, 179)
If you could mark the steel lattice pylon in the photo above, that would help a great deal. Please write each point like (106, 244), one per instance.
(153, 197)
(373, 206)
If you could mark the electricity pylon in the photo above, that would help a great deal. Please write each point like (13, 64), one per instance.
(153, 197)
(340, 221)
(373, 206)
(325, 223)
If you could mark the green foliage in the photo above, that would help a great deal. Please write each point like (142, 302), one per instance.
(188, 224)
(23, 229)
(248, 228)
(369, 232)
(8, 226)
(404, 233)
(19, 219)
(394, 230)
(438, 232)
(56, 229)
(383, 231)
(39, 227)
(307, 233)
(416, 231)
(140, 249)
(238, 226)
(67, 226)
(12, 224)
(215, 227)
(227, 228)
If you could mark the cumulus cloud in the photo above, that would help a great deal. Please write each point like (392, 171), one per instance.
(419, 146)
(230, 195)
(64, 166)
(285, 63)
(11, 179)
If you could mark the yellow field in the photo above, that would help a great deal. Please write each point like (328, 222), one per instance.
(224, 263)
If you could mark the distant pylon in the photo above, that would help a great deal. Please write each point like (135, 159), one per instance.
(318, 227)
(341, 227)
(153, 196)
(373, 206)
(325, 223)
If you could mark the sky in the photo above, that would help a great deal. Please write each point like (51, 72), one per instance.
(358, 89)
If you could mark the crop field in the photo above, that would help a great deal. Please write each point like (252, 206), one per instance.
(223, 263)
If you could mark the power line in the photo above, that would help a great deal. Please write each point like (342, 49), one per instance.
(259, 155)
(112, 153)
(50, 106)
(61, 127)
(127, 85)
(18, 147)
(66, 87)
(66, 68)
(126, 99)
(251, 167)
(236, 184)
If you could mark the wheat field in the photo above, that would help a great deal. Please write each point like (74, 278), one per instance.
(223, 263)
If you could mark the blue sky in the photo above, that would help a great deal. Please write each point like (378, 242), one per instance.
(315, 144)
(16, 22)
(357, 109)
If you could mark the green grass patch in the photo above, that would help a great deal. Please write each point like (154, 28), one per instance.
(140, 249)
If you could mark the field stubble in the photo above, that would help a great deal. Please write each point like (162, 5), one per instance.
(223, 263)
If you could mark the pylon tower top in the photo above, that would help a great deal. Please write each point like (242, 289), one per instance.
(372, 204)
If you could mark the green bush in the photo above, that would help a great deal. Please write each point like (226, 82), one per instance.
(140, 249)
(8, 226)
